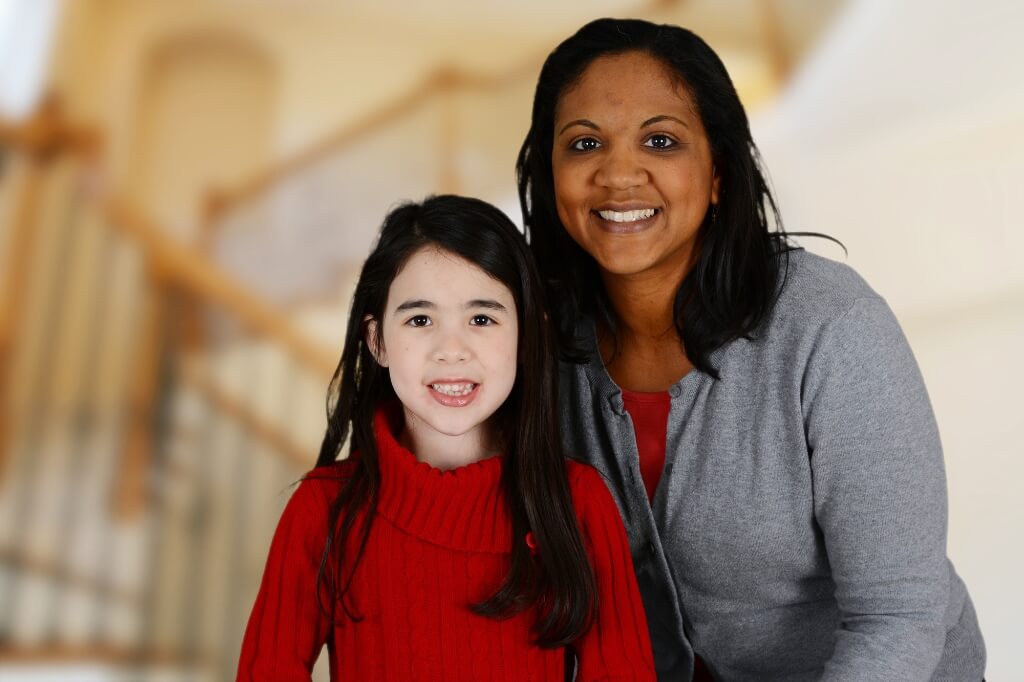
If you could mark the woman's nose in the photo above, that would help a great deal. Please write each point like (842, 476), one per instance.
(621, 169)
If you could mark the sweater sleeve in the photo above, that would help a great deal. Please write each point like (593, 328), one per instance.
(617, 646)
(879, 497)
(287, 628)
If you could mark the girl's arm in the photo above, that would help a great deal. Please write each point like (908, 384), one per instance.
(287, 629)
(879, 497)
(617, 646)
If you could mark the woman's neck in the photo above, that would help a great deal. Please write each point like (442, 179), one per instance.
(642, 305)
(645, 353)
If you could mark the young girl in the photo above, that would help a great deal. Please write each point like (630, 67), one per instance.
(455, 542)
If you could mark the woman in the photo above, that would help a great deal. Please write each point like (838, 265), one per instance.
(755, 409)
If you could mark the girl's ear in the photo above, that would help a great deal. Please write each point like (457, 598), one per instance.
(371, 338)
(716, 182)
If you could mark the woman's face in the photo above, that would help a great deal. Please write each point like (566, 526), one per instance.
(632, 167)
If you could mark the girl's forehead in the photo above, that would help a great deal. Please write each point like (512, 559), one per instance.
(434, 273)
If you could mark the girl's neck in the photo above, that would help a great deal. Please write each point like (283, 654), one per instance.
(442, 451)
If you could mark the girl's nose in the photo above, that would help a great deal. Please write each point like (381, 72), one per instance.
(621, 169)
(451, 348)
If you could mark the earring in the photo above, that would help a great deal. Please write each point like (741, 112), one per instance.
(714, 213)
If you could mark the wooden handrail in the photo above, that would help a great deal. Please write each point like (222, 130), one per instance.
(108, 654)
(444, 79)
(249, 419)
(18, 558)
(193, 272)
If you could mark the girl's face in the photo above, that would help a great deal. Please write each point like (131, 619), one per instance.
(632, 166)
(450, 338)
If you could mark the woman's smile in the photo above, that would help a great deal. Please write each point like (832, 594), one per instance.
(626, 221)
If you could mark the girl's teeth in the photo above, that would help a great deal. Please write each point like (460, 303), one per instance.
(453, 389)
(627, 216)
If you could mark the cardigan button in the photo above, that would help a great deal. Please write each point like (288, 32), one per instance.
(675, 391)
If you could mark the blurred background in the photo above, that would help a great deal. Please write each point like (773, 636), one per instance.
(188, 188)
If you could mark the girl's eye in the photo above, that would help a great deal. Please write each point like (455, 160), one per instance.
(584, 144)
(481, 321)
(660, 141)
(418, 321)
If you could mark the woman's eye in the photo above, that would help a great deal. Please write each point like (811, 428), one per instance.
(660, 142)
(584, 144)
(418, 321)
(481, 321)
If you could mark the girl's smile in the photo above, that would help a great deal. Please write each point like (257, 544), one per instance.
(454, 393)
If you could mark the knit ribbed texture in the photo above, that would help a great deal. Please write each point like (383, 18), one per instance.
(441, 541)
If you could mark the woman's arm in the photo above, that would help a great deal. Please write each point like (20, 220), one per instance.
(879, 497)
(287, 628)
(617, 646)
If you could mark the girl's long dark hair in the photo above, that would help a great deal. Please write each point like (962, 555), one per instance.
(735, 278)
(534, 476)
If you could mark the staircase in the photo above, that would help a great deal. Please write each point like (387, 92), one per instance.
(155, 414)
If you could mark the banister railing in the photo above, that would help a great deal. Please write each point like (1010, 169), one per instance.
(441, 81)
(144, 472)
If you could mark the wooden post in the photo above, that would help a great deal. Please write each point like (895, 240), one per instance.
(448, 173)
(40, 139)
(775, 41)
(21, 249)
(139, 437)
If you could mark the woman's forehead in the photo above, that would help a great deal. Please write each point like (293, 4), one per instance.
(636, 81)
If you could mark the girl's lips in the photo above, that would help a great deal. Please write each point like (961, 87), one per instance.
(454, 400)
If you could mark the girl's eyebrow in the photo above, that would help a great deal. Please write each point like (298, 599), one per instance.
(414, 304)
(487, 303)
(419, 303)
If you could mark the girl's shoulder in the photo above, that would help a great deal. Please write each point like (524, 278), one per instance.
(320, 486)
(588, 488)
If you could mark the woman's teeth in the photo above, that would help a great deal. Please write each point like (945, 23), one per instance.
(628, 216)
(454, 389)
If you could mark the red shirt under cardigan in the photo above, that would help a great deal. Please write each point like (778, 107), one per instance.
(441, 541)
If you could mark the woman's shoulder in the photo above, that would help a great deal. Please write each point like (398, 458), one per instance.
(805, 273)
(815, 289)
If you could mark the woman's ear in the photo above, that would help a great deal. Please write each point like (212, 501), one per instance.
(715, 182)
(371, 338)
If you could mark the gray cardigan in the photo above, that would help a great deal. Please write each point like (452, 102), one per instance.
(799, 528)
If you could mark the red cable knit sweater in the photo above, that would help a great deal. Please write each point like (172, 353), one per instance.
(441, 541)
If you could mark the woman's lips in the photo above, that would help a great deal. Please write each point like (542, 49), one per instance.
(626, 221)
(454, 393)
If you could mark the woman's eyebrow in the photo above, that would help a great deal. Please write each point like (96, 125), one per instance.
(663, 117)
(579, 122)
